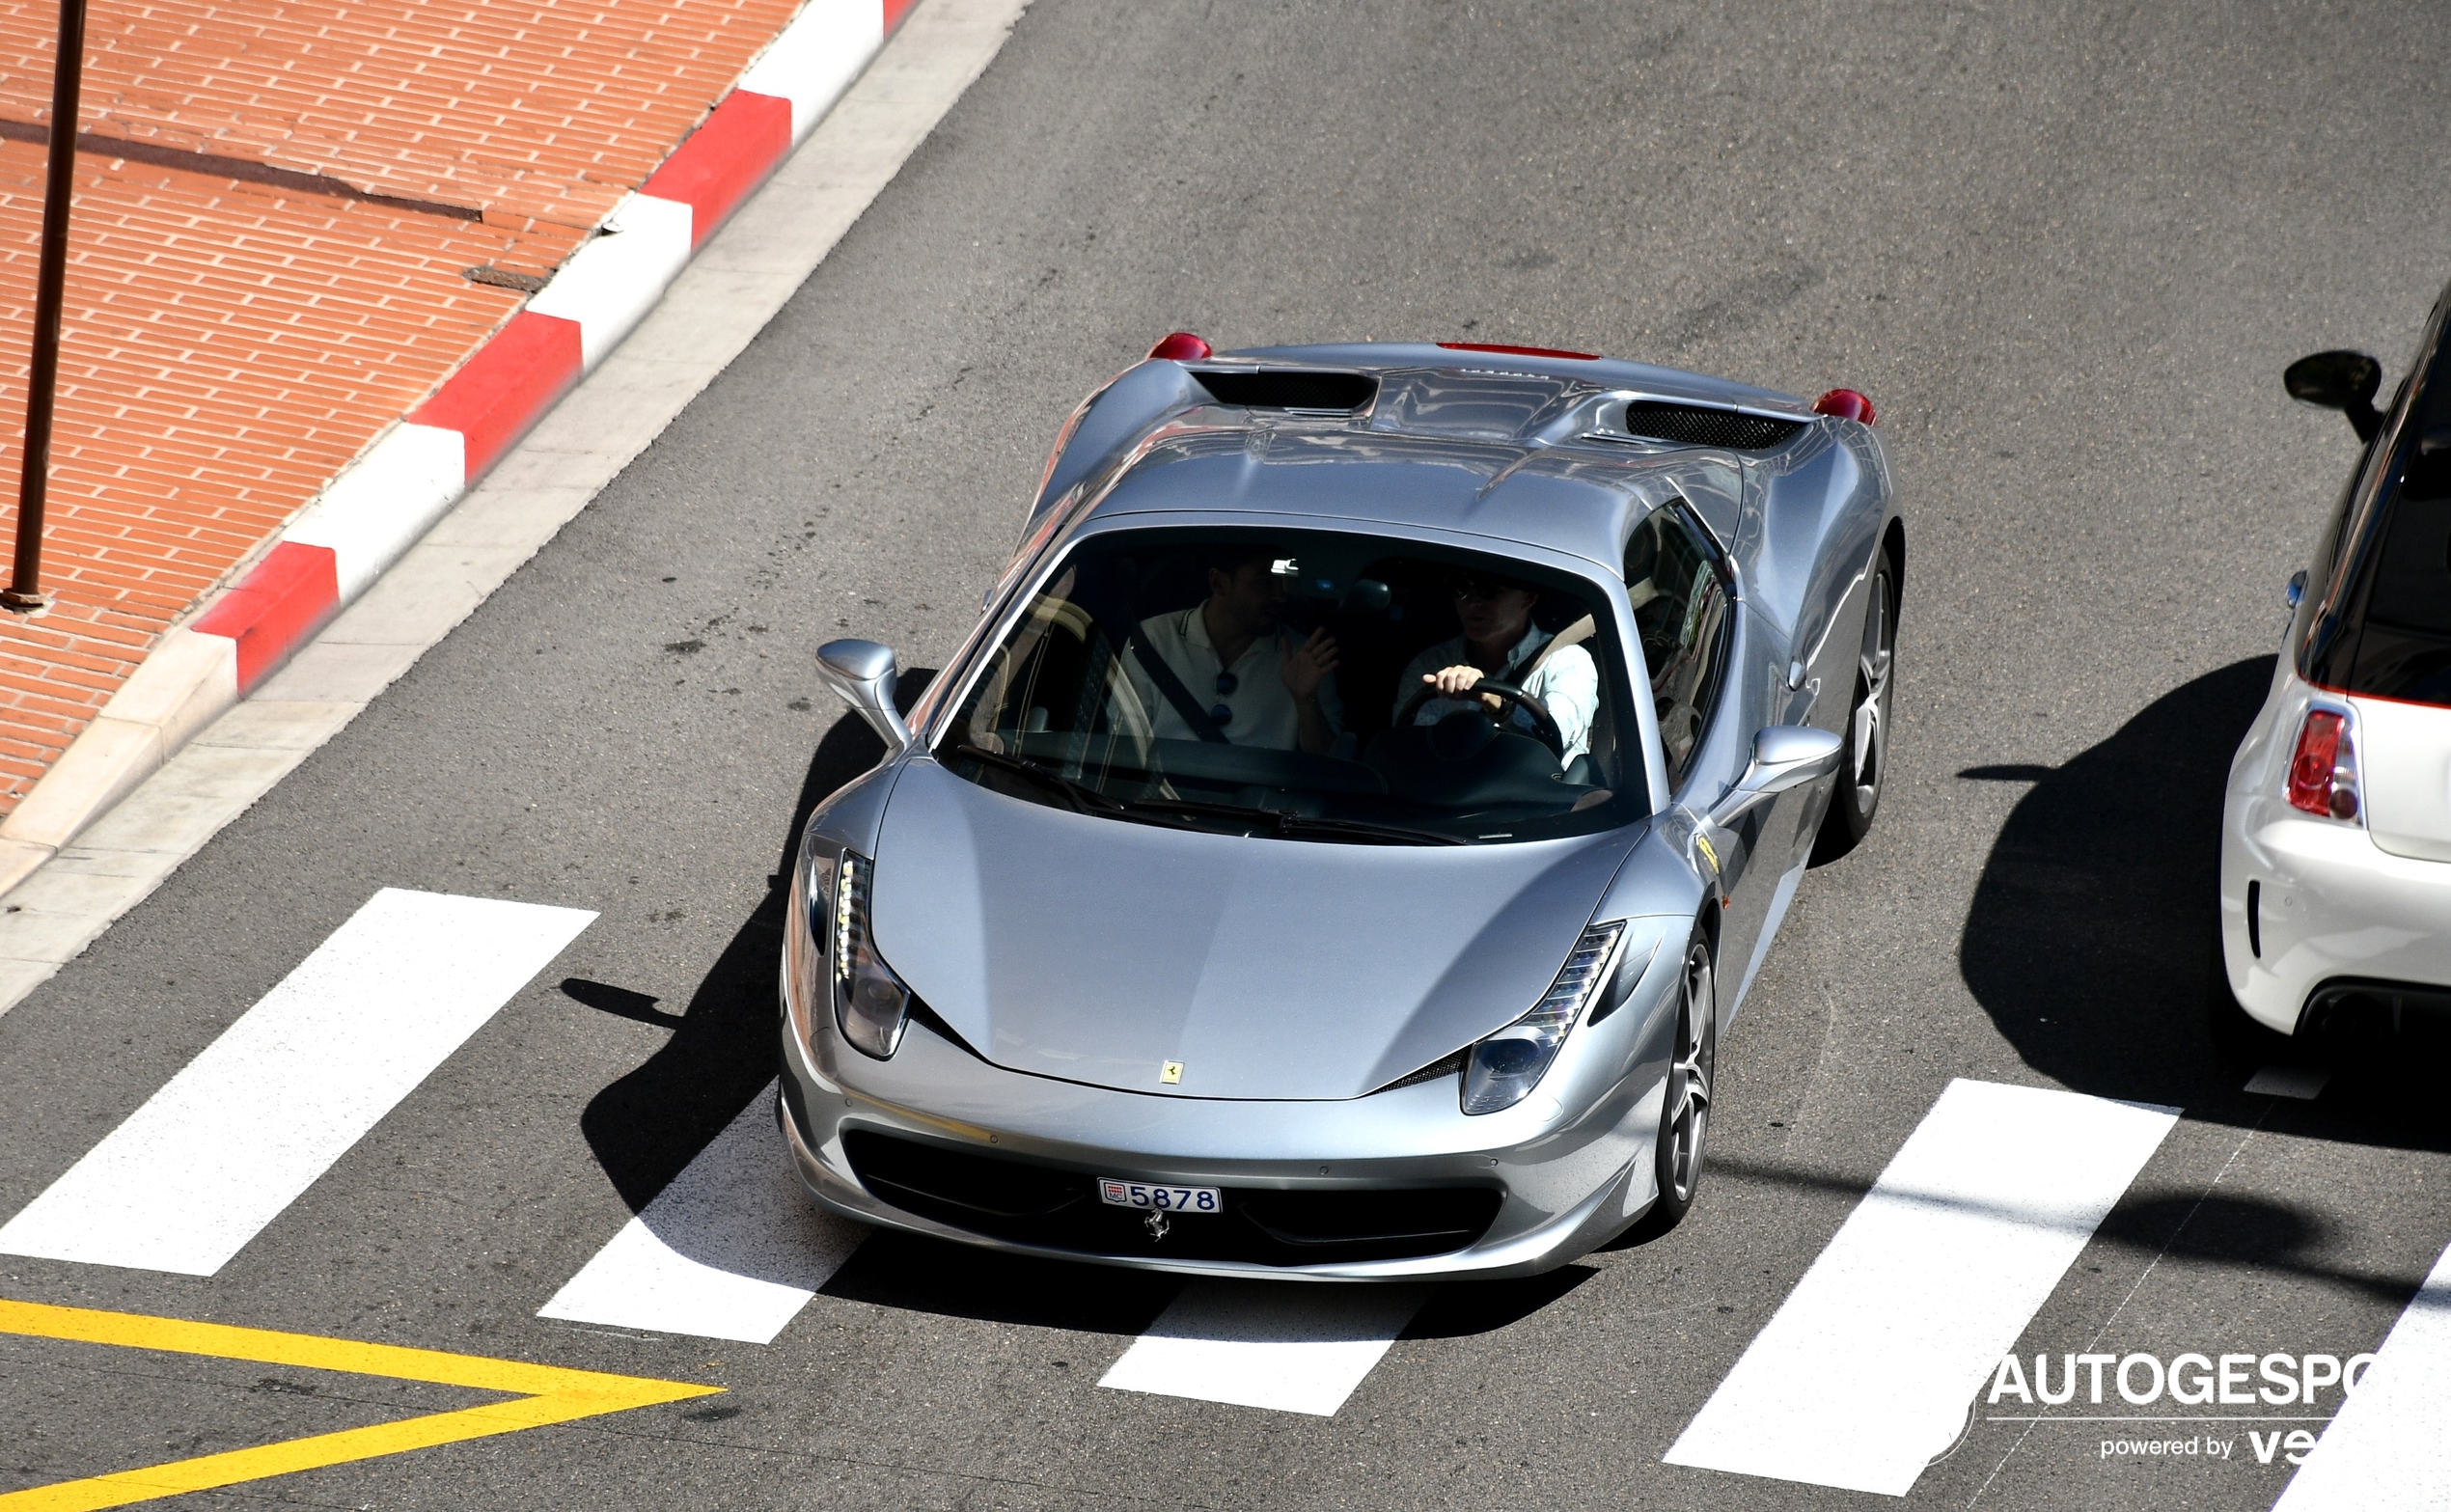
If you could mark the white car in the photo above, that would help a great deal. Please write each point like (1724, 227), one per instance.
(2336, 826)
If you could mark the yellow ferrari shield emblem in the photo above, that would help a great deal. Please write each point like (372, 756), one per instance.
(1170, 1073)
(1702, 844)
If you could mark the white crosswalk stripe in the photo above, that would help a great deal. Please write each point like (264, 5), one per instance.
(733, 1249)
(249, 1124)
(1865, 1372)
(1288, 1347)
(2389, 1446)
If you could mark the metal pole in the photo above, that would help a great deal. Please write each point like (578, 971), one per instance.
(24, 591)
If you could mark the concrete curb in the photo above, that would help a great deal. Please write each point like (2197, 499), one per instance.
(392, 495)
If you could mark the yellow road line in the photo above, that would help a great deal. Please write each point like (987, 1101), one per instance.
(546, 1395)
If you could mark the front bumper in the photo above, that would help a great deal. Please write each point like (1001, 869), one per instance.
(1567, 1182)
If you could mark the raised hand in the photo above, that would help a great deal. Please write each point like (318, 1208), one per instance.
(1306, 665)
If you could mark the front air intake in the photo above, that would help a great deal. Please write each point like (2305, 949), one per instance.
(1697, 425)
(1288, 388)
(1051, 1207)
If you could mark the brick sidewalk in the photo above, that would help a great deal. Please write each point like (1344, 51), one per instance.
(278, 209)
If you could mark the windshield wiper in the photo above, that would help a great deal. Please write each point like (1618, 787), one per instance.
(1082, 798)
(1279, 823)
(1363, 829)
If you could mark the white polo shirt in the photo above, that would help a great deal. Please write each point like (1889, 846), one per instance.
(1260, 710)
(1567, 685)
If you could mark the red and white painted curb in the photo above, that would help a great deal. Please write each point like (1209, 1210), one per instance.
(401, 484)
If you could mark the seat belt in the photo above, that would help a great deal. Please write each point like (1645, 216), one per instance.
(1171, 688)
(1575, 634)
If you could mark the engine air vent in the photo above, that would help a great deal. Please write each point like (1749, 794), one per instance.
(1287, 388)
(1697, 425)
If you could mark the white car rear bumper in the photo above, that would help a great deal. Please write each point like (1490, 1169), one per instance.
(2329, 906)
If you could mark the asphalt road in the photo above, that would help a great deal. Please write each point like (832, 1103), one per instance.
(2066, 249)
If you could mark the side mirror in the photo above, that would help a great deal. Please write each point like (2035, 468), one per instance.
(2345, 381)
(862, 673)
(1790, 756)
(1785, 757)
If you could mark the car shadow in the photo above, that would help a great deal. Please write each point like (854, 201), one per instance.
(644, 1127)
(2089, 941)
(917, 1273)
(1463, 1308)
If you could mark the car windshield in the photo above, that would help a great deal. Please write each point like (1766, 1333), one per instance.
(1309, 685)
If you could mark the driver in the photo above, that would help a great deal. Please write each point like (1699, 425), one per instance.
(1499, 641)
(1241, 673)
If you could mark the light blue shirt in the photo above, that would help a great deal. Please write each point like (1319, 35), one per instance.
(1567, 685)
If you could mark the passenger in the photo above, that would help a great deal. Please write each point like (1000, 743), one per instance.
(1235, 669)
(1499, 641)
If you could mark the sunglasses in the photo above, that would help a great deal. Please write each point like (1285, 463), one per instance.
(1482, 589)
(1222, 713)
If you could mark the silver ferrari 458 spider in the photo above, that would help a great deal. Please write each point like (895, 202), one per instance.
(1367, 795)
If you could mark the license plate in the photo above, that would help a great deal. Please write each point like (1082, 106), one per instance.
(1163, 1198)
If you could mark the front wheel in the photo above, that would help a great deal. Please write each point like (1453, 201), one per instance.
(1685, 1110)
(1865, 763)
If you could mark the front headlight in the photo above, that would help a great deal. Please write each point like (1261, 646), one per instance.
(808, 927)
(1508, 1064)
(831, 955)
(870, 1003)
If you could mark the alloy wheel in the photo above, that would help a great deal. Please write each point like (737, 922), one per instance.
(1687, 1116)
(1871, 717)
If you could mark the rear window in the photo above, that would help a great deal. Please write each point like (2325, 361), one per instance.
(2398, 641)
(2412, 578)
(2404, 649)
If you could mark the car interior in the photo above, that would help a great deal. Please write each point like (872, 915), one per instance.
(1062, 696)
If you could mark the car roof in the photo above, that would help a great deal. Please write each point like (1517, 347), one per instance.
(1494, 443)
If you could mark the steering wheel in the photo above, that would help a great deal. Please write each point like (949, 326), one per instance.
(1544, 728)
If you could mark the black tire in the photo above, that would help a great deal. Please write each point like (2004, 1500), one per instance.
(1864, 763)
(1685, 1110)
(2239, 1041)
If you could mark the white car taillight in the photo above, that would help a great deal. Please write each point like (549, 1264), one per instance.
(2323, 771)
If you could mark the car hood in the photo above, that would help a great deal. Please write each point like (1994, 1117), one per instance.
(1098, 950)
